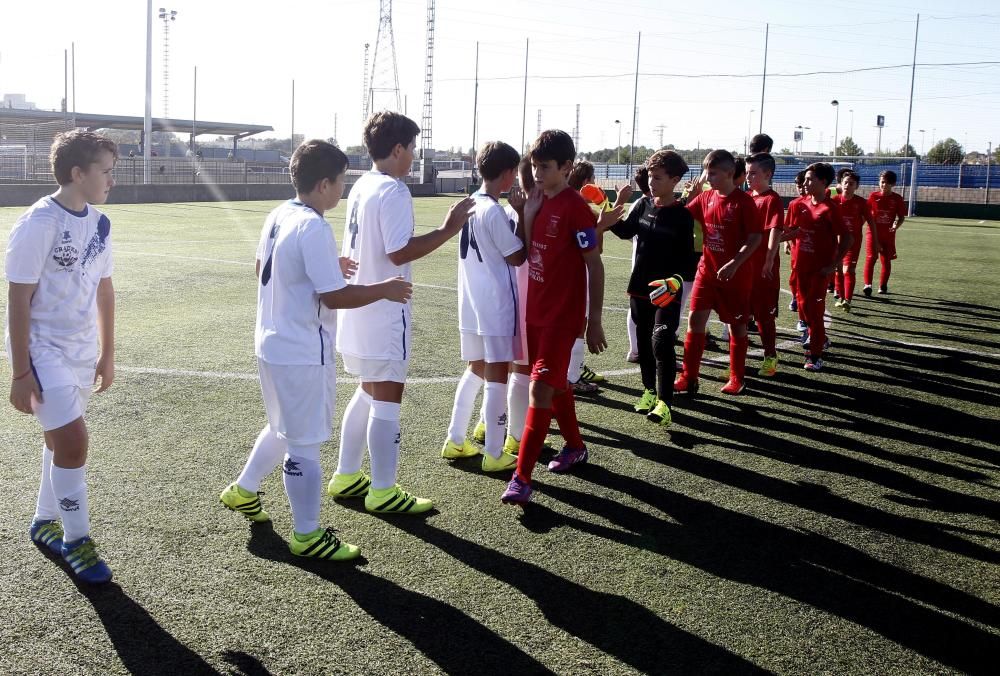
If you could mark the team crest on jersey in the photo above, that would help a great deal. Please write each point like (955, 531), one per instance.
(552, 229)
(64, 253)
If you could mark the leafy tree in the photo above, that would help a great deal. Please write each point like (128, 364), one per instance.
(947, 151)
(907, 151)
(848, 148)
(787, 151)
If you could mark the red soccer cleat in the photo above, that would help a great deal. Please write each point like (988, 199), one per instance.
(734, 386)
(682, 384)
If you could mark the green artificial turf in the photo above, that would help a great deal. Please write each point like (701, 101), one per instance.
(840, 522)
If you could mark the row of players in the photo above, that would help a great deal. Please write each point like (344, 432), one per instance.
(61, 310)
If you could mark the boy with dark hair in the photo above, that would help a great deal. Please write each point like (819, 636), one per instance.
(821, 240)
(766, 284)
(888, 211)
(61, 336)
(664, 232)
(732, 230)
(641, 179)
(563, 257)
(301, 287)
(761, 143)
(491, 246)
(854, 210)
(374, 341)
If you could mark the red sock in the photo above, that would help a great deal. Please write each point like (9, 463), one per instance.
(738, 356)
(838, 283)
(694, 347)
(768, 335)
(850, 279)
(564, 410)
(886, 270)
(536, 426)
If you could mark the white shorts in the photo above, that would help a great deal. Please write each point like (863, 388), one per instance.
(60, 406)
(376, 370)
(491, 349)
(299, 400)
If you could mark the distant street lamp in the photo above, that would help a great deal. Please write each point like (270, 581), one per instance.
(746, 149)
(836, 124)
(923, 133)
(619, 123)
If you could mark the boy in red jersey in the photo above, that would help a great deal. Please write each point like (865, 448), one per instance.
(888, 211)
(563, 257)
(766, 287)
(800, 187)
(732, 230)
(854, 210)
(821, 240)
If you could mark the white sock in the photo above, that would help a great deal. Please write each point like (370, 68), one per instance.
(461, 410)
(304, 486)
(69, 486)
(517, 403)
(46, 507)
(265, 457)
(633, 345)
(685, 308)
(353, 431)
(576, 361)
(495, 410)
(383, 443)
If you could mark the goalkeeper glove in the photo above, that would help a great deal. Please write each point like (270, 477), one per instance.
(665, 290)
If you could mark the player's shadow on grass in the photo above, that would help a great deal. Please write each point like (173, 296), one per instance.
(245, 664)
(143, 646)
(799, 564)
(447, 636)
(931, 336)
(613, 624)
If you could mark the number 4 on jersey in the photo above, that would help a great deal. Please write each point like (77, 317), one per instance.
(353, 227)
(468, 240)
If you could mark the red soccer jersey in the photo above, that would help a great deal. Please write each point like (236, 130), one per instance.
(819, 227)
(885, 208)
(769, 205)
(854, 211)
(727, 223)
(557, 273)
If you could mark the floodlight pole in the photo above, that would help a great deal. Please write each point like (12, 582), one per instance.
(524, 110)
(763, 81)
(194, 111)
(475, 104)
(836, 125)
(147, 121)
(913, 77)
(989, 161)
(635, 109)
(292, 143)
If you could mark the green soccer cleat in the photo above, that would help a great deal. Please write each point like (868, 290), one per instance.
(479, 433)
(646, 402)
(770, 367)
(244, 502)
(660, 414)
(588, 375)
(349, 485)
(322, 544)
(395, 500)
(506, 462)
(511, 445)
(451, 450)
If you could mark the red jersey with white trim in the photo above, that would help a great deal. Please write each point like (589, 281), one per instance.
(819, 227)
(557, 273)
(773, 214)
(885, 209)
(727, 222)
(855, 213)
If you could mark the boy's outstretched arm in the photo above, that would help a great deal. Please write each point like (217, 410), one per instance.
(23, 385)
(596, 341)
(421, 245)
(105, 370)
(396, 289)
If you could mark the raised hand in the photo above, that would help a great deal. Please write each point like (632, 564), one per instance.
(516, 199)
(347, 267)
(397, 289)
(609, 218)
(458, 214)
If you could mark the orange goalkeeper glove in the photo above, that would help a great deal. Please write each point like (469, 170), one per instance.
(665, 290)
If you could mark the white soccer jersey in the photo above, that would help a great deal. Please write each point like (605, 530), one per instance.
(298, 262)
(487, 290)
(66, 253)
(379, 222)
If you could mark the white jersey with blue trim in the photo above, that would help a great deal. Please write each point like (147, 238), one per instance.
(298, 262)
(487, 288)
(379, 222)
(66, 253)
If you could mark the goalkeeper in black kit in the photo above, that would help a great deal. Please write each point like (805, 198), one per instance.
(664, 260)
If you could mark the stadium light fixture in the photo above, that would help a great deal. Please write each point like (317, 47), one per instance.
(619, 150)
(836, 124)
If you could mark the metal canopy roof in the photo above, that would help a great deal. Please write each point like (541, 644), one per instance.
(91, 121)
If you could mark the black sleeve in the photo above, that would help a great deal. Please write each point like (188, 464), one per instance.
(629, 227)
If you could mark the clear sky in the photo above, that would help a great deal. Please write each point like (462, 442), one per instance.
(581, 52)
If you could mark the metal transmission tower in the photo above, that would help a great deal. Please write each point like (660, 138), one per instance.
(166, 15)
(539, 132)
(364, 90)
(427, 124)
(383, 90)
(659, 129)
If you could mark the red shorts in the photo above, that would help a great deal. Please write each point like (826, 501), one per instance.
(852, 255)
(764, 298)
(549, 351)
(730, 300)
(886, 244)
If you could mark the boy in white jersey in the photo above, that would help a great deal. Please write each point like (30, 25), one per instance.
(374, 341)
(60, 307)
(301, 284)
(491, 244)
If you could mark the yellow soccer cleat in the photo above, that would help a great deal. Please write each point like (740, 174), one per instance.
(451, 450)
